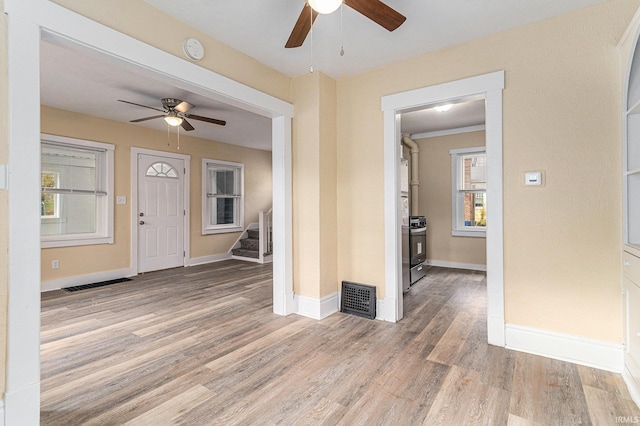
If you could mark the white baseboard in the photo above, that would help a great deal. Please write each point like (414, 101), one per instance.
(457, 265)
(565, 347)
(85, 279)
(208, 259)
(22, 407)
(315, 308)
(632, 385)
(380, 310)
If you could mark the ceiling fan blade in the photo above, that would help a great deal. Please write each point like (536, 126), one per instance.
(145, 119)
(378, 12)
(144, 106)
(186, 125)
(183, 106)
(302, 27)
(207, 119)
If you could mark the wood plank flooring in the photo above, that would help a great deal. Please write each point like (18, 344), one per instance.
(200, 346)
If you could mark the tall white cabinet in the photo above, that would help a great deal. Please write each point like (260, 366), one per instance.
(630, 66)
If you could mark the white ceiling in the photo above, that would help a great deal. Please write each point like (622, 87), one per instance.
(74, 81)
(260, 29)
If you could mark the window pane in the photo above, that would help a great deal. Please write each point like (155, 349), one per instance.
(161, 170)
(75, 167)
(48, 205)
(222, 211)
(77, 215)
(474, 172)
(475, 209)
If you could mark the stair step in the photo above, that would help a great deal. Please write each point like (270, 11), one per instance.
(250, 244)
(253, 233)
(246, 253)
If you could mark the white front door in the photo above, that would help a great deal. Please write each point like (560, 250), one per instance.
(160, 212)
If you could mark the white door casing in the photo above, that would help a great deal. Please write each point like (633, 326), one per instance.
(490, 87)
(161, 212)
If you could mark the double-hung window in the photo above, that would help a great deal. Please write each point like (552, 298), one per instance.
(222, 196)
(76, 200)
(469, 192)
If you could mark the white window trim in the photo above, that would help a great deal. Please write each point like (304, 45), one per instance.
(207, 228)
(105, 209)
(457, 229)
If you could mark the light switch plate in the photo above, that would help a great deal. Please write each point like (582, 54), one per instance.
(121, 199)
(533, 178)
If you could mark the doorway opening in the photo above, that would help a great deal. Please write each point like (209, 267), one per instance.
(27, 26)
(489, 87)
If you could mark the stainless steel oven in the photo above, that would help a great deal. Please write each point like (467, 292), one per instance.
(417, 247)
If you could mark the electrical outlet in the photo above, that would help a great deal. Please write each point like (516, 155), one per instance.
(55, 264)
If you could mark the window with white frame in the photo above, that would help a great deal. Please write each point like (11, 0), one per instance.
(76, 201)
(222, 196)
(469, 192)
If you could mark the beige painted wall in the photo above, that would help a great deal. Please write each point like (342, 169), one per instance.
(314, 199)
(148, 24)
(561, 116)
(434, 200)
(79, 260)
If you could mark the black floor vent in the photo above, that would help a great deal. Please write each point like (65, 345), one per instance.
(94, 285)
(358, 299)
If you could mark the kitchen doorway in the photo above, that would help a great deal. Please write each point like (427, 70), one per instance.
(488, 86)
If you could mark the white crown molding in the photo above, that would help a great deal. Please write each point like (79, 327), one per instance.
(448, 132)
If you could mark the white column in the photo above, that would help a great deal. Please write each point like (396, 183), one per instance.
(22, 399)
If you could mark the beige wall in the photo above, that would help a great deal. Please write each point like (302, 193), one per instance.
(314, 199)
(79, 261)
(434, 200)
(148, 24)
(561, 116)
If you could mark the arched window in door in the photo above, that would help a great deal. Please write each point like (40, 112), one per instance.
(161, 169)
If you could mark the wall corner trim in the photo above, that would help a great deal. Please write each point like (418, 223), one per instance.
(578, 350)
(317, 308)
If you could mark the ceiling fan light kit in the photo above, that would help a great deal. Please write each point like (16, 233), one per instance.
(325, 6)
(375, 10)
(175, 112)
(172, 119)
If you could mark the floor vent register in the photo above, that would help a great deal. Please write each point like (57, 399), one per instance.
(358, 299)
(94, 285)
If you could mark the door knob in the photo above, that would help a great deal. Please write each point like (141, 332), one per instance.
(141, 222)
(141, 214)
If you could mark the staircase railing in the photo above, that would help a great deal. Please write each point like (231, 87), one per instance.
(266, 234)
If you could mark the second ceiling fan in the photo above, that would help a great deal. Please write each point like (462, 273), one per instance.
(175, 112)
(375, 10)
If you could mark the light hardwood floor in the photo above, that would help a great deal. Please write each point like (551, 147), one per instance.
(200, 346)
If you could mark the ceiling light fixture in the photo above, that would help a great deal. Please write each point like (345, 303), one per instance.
(173, 120)
(443, 108)
(325, 6)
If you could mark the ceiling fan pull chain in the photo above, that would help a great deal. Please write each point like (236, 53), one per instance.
(311, 36)
(168, 134)
(341, 29)
(178, 138)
